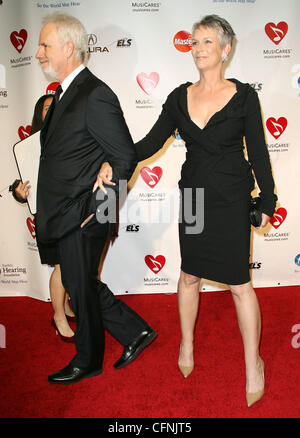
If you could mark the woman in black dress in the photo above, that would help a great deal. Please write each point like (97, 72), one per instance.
(48, 253)
(213, 117)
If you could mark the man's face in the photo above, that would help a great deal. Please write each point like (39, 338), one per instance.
(51, 54)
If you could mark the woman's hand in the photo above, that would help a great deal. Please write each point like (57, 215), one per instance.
(265, 221)
(22, 190)
(104, 177)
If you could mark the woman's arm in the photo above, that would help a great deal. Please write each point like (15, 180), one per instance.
(146, 147)
(258, 154)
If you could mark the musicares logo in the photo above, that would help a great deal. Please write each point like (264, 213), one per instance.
(31, 227)
(151, 176)
(18, 39)
(24, 132)
(52, 88)
(276, 127)
(155, 263)
(148, 82)
(276, 33)
(182, 41)
(279, 217)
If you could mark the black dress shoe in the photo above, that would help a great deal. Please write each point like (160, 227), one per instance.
(132, 350)
(71, 374)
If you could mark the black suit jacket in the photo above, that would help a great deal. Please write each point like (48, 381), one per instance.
(85, 126)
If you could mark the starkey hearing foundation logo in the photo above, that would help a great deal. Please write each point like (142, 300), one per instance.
(182, 41)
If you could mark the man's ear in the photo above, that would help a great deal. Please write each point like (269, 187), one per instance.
(69, 49)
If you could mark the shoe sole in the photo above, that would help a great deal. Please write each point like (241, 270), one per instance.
(62, 382)
(145, 344)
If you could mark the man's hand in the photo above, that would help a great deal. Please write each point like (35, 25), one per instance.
(22, 190)
(104, 176)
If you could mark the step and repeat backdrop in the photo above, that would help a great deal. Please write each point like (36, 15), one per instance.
(141, 49)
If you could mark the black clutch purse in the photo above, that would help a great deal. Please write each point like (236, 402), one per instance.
(255, 212)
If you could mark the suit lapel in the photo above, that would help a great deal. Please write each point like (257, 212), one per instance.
(58, 110)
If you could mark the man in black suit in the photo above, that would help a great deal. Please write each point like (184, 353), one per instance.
(83, 125)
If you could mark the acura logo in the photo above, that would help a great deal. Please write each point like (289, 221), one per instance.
(92, 39)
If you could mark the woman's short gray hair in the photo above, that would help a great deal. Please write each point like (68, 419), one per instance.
(223, 28)
(70, 29)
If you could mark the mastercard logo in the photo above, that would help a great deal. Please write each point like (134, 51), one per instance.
(182, 41)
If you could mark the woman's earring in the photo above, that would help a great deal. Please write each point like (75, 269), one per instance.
(224, 58)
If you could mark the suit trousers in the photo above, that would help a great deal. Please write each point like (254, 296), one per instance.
(95, 306)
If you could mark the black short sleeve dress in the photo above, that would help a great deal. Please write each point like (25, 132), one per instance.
(215, 161)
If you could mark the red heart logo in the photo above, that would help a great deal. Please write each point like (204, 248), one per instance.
(18, 39)
(24, 132)
(155, 263)
(276, 127)
(276, 32)
(31, 227)
(151, 177)
(52, 88)
(278, 217)
(147, 82)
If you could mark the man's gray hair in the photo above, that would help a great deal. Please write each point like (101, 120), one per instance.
(70, 29)
(223, 28)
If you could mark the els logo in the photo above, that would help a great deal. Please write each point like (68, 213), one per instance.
(276, 33)
(182, 41)
(24, 132)
(155, 263)
(276, 127)
(18, 39)
(31, 227)
(148, 82)
(278, 217)
(151, 176)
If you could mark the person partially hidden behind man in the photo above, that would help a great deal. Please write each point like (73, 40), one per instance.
(84, 125)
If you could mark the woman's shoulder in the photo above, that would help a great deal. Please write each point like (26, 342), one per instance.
(177, 92)
(243, 87)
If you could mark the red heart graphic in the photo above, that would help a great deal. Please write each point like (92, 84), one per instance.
(52, 87)
(24, 132)
(276, 127)
(147, 82)
(31, 227)
(155, 263)
(278, 217)
(18, 39)
(276, 32)
(151, 177)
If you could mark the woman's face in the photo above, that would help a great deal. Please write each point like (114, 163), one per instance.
(206, 48)
(47, 103)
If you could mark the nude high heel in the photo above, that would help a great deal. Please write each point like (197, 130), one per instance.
(186, 371)
(253, 397)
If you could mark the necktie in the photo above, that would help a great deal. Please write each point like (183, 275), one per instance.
(58, 92)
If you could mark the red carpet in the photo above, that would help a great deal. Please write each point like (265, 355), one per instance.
(152, 386)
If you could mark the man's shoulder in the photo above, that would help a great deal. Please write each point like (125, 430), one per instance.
(91, 84)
